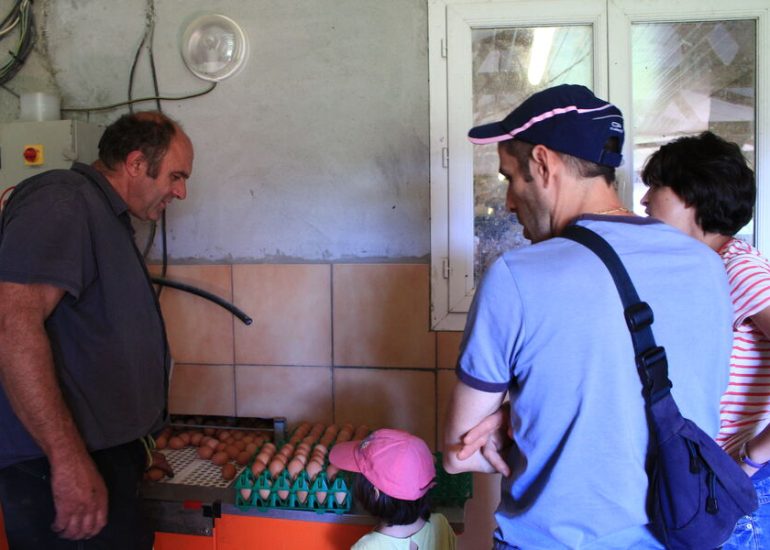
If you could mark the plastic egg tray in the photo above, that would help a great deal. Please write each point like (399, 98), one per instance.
(189, 469)
(317, 495)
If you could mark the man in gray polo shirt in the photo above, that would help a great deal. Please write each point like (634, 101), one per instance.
(83, 354)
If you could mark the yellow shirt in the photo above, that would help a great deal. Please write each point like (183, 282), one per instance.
(436, 534)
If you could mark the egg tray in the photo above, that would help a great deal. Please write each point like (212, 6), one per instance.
(320, 495)
(189, 469)
(450, 489)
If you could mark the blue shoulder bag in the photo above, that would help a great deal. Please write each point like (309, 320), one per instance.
(697, 492)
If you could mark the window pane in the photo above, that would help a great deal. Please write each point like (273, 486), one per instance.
(510, 64)
(688, 78)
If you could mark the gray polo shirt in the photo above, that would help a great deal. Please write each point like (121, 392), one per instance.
(70, 229)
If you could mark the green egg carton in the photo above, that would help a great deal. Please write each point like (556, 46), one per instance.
(317, 495)
(450, 489)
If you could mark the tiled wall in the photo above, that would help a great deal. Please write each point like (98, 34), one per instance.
(328, 343)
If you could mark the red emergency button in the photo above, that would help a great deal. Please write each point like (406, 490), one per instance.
(33, 155)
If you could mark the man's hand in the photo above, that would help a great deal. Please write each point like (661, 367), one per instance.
(492, 437)
(80, 498)
(159, 461)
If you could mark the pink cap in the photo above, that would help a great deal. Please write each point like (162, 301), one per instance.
(396, 462)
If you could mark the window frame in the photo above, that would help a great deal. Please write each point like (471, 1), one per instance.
(451, 154)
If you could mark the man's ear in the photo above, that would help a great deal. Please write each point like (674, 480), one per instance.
(376, 492)
(136, 163)
(541, 158)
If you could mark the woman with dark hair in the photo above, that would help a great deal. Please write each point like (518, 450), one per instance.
(703, 186)
(395, 472)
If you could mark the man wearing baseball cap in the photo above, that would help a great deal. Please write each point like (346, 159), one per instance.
(546, 327)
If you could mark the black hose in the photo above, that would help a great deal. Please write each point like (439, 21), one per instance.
(203, 294)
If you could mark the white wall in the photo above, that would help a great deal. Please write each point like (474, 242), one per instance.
(316, 151)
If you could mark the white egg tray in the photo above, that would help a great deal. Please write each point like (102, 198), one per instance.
(190, 469)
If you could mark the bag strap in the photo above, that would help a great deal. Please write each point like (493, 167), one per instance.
(651, 362)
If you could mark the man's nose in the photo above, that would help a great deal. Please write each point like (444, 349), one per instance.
(179, 190)
(644, 200)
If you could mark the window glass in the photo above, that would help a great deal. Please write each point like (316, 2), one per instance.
(688, 78)
(510, 64)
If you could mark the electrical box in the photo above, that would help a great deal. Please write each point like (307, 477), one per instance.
(28, 148)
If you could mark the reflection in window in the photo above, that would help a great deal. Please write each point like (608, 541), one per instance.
(510, 64)
(688, 78)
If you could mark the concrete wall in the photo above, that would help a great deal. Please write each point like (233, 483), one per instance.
(316, 150)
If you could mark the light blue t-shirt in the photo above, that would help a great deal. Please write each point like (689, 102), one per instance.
(547, 324)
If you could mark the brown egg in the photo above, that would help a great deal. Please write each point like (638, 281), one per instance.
(161, 442)
(240, 444)
(303, 448)
(264, 493)
(320, 496)
(294, 467)
(331, 472)
(251, 448)
(276, 467)
(224, 434)
(343, 435)
(209, 431)
(312, 469)
(213, 443)
(205, 452)
(221, 446)
(155, 474)
(286, 450)
(268, 446)
(237, 434)
(232, 451)
(167, 432)
(361, 432)
(243, 458)
(185, 436)
(228, 471)
(258, 467)
(196, 438)
(176, 443)
(326, 440)
(301, 496)
(220, 458)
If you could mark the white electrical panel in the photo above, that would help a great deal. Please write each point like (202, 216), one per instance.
(28, 148)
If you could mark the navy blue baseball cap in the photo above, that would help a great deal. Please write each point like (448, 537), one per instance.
(567, 118)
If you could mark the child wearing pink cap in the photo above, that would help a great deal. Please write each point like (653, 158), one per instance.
(396, 471)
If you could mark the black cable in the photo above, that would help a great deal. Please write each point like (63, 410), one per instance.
(204, 294)
(21, 15)
(134, 101)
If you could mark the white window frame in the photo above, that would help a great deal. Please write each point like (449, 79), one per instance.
(451, 154)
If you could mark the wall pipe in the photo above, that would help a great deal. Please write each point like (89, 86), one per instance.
(203, 294)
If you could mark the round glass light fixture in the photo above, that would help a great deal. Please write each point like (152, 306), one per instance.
(214, 47)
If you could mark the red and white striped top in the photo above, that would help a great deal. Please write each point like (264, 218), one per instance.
(745, 405)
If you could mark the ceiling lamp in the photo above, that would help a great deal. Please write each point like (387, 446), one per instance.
(214, 47)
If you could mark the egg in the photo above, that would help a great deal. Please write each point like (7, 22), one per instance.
(161, 442)
(275, 468)
(232, 451)
(339, 496)
(246, 494)
(220, 458)
(240, 444)
(185, 437)
(223, 434)
(176, 443)
(312, 469)
(331, 472)
(286, 450)
(258, 467)
(301, 496)
(295, 467)
(237, 434)
(205, 452)
(251, 448)
(228, 471)
(213, 443)
(264, 493)
(155, 474)
(320, 496)
(361, 432)
(243, 458)
(196, 438)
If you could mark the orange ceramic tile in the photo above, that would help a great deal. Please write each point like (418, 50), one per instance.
(387, 398)
(448, 344)
(298, 393)
(202, 389)
(291, 308)
(381, 316)
(445, 383)
(199, 331)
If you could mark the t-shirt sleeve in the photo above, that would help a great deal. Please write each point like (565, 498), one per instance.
(749, 278)
(493, 332)
(45, 239)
